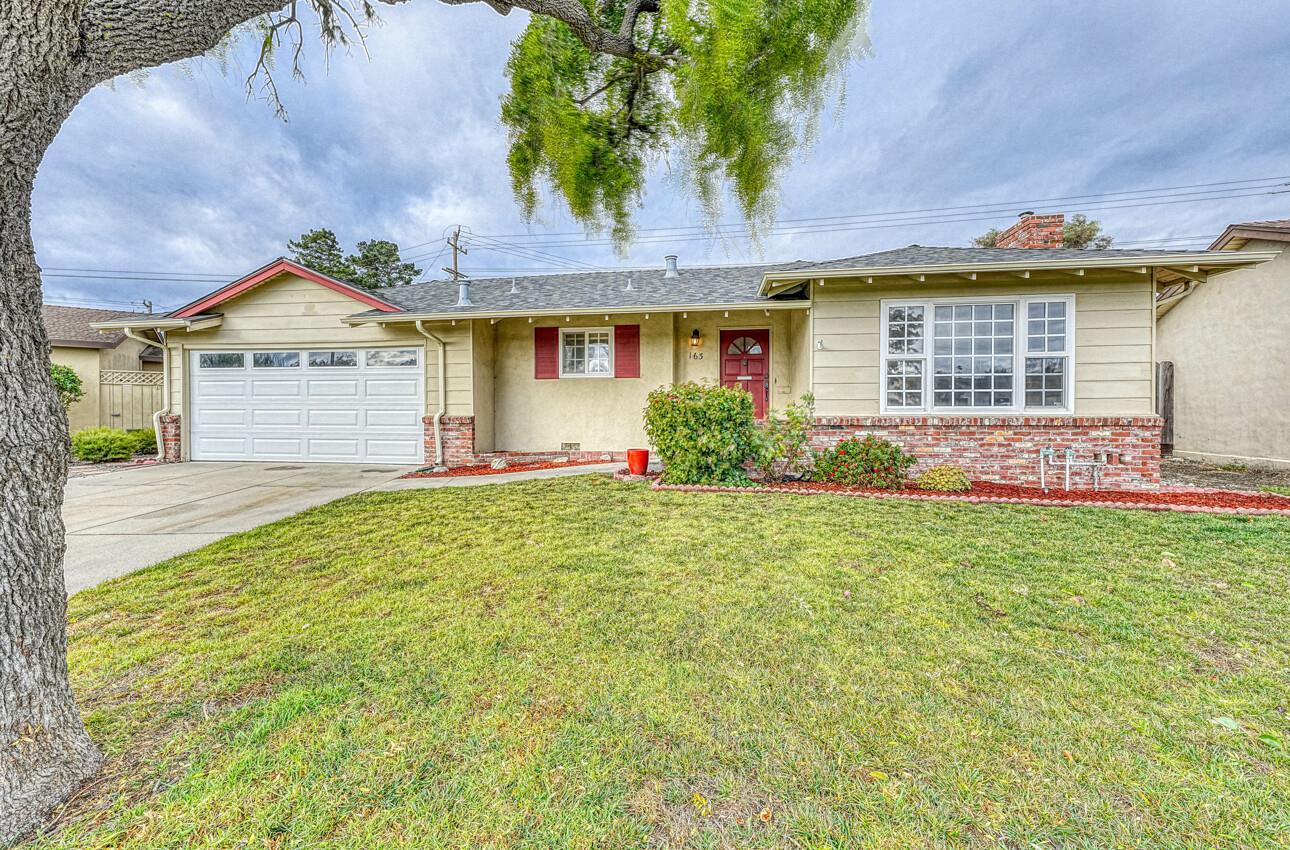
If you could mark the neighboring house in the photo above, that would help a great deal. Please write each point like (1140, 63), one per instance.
(1229, 342)
(108, 365)
(975, 356)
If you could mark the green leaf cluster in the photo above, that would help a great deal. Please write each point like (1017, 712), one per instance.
(67, 384)
(944, 478)
(702, 433)
(376, 265)
(732, 89)
(98, 445)
(868, 462)
(784, 441)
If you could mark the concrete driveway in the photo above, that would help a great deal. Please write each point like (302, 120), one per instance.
(120, 521)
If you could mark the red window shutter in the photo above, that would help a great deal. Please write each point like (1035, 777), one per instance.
(627, 351)
(546, 353)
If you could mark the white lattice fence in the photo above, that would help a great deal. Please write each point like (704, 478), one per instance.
(127, 400)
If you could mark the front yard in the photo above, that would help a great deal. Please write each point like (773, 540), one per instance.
(582, 663)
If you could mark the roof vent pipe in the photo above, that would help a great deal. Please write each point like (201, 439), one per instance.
(629, 287)
(463, 293)
(671, 271)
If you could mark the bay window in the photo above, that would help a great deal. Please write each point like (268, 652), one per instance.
(977, 355)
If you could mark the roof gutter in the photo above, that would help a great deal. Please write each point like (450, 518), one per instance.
(1230, 259)
(387, 318)
(443, 391)
(160, 342)
(162, 323)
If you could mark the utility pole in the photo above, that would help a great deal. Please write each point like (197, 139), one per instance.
(454, 242)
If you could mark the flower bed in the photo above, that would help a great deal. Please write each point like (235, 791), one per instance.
(1174, 499)
(487, 469)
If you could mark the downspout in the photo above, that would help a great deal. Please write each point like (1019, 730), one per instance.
(160, 342)
(443, 390)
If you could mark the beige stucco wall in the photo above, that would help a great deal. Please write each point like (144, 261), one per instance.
(605, 414)
(290, 312)
(1229, 341)
(1113, 340)
(85, 362)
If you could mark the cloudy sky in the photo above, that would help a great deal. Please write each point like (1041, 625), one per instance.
(994, 107)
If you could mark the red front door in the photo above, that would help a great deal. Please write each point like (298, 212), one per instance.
(745, 362)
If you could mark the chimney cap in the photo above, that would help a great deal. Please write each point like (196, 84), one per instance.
(1026, 214)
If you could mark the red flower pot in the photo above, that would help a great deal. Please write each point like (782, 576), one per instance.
(637, 461)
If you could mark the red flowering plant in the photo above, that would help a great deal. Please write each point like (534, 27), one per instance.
(871, 462)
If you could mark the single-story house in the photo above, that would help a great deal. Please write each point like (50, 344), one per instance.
(1229, 343)
(976, 356)
(107, 364)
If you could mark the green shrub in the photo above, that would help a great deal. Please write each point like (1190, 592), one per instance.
(945, 478)
(871, 462)
(703, 433)
(67, 383)
(102, 444)
(783, 440)
(145, 441)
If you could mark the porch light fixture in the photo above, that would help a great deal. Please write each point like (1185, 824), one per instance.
(696, 339)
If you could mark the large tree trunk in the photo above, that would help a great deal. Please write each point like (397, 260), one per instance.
(45, 752)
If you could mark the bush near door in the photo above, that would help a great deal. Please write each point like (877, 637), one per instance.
(702, 433)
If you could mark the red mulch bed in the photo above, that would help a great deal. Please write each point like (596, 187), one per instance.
(984, 491)
(486, 469)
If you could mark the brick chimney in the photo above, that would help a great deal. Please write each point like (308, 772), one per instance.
(1033, 231)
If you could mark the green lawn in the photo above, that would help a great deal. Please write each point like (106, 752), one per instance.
(580, 663)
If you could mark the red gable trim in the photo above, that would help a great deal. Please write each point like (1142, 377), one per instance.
(277, 267)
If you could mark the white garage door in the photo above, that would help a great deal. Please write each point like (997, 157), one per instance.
(325, 405)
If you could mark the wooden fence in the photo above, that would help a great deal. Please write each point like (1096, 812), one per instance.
(127, 400)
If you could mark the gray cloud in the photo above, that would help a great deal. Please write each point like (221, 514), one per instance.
(958, 104)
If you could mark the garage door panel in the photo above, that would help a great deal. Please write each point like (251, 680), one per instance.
(339, 417)
(236, 416)
(384, 418)
(210, 388)
(396, 451)
(338, 389)
(393, 388)
(235, 446)
(276, 389)
(307, 412)
(280, 446)
(276, 416)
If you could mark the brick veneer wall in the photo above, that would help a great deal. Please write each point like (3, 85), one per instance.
(458, 439)
(171, 445)
(1006, 448)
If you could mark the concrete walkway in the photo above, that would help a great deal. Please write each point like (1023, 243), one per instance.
(499, 478)
(120, 521)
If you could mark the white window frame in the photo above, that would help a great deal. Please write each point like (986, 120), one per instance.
(560, 352)
(1021, 304)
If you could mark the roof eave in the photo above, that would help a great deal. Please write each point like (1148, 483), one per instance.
(1220, 259)
(163, 323)
(630, 309)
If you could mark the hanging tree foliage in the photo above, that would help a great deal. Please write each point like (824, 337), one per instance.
(731, 90)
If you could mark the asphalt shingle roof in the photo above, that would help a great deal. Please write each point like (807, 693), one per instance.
(71, 326)
(697, 286)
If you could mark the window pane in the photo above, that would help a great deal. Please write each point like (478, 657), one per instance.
(598, 353)
(905, 328)
(275, 359)
(980, 373)
(575, 353)
(221, 360)
(904, 383)
(392, 357)
(333, 358)
(1046, 328)
(1046, 382)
